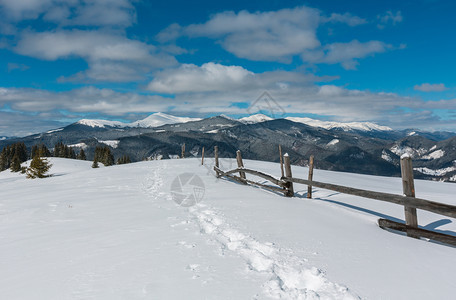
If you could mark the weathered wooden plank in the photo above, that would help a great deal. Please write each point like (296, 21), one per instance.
(240, 164)
(202, 156)
(418, 232)
(253, 172)
(243, 181)
(289, 187)
(311, 171)
(435, 207)
(408, 187)
(216, 155)
(281, 160)
(183, 151)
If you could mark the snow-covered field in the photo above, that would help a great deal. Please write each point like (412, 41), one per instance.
(116, 233)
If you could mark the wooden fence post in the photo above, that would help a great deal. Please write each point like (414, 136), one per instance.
(183, 151)
(311, 172)
(286, 161)
(281, 159)
(202, 157)
(408, 188)
(240, 164)
(216, 155)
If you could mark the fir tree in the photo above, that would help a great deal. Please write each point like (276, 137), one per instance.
(41, 150)
(82, 155)
(108, 158)
(18, 150)
(38, 167)
(3, 160)
(15, 164)
(95, 164)
(124, 159)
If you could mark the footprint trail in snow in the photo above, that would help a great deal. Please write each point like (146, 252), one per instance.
(290, 278)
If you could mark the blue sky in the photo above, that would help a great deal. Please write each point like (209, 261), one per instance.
(388, 62)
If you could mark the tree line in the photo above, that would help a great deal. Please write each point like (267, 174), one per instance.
(12, 156)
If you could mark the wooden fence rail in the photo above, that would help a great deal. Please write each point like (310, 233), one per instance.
(435, 207)
(409, 201)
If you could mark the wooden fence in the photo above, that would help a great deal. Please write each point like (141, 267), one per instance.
(284, 185)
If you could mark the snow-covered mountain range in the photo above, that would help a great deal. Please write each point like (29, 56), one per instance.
(362, 126)
(159, 119)
(154, 120)
(360, 147)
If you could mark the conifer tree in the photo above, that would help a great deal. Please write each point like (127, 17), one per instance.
(125, 159)
(15, 164)
(38, 166)
(3, 160)
(95, 164)
(82, 155)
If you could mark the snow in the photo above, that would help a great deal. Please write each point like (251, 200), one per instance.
(434, 155)
(333, 142)
(110, 143)
(411, 133)
(116, 233)
(386, 156)
(363, 126)
(438, 172)
(154, 120)
(100, 123)
(159, 119)
(406, 155)
(55, 130)
(258, 118)
(400, 150)
(78, 145)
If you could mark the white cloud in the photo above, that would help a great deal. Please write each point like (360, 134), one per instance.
(105, 51)
(294, 92)
(117, 13)
(270, 36)
(345, 53)
(347, 18)
(208, 77)
(389, 18)
(279, 36)
(427, 87)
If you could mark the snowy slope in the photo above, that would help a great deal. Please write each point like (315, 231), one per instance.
(258, 118)
(154, 120)
(116, 233)
(159, 119)
(101, 123)
(363, 126)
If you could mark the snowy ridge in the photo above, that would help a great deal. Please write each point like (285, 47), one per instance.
(100, 123)
(154, 120)
(333, 142)
(438, 172)
(401, 150)
(362, 126)
(159, 119)
(258, 118)
(55, 130)
(111, 143)
(78, 145)
(434, 155)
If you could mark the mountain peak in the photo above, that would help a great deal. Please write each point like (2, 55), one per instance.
(154, 120)
(258, 118)
(361, 126)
